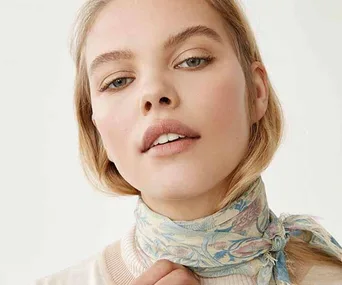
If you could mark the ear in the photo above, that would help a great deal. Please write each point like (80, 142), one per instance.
(93, 119)
(261, 99)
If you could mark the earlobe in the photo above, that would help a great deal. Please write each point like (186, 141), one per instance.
(261, 91)
(92, 118)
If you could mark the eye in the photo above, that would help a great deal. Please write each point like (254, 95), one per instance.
(117, 83)
(196, 61)
(192, 62)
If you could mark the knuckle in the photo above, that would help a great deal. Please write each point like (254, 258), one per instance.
(164, 263)
(184, 276)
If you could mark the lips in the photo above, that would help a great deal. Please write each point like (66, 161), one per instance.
(165, 127)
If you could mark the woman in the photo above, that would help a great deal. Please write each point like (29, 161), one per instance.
(174, 105)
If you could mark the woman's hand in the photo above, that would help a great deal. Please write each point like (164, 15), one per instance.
(165, 272)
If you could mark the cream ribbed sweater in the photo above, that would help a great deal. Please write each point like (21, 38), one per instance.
(119, 263)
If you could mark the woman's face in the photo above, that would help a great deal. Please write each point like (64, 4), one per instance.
(207, 96)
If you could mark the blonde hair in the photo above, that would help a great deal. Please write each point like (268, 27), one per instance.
(265, 135)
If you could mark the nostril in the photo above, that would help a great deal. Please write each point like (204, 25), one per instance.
(166, 100)
(148, 106)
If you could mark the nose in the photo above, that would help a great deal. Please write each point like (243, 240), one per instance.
(158, 97)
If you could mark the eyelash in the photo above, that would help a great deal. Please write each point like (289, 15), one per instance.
(208, 60)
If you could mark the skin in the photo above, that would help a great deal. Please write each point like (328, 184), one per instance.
(165, 272)
(208, 98)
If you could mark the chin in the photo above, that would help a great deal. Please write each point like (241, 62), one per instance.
(176, 187)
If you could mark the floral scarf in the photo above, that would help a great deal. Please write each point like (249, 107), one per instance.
(245, 237)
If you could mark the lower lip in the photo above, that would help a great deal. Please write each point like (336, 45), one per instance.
(172, 147)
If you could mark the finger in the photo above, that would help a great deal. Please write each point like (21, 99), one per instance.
(180, 276)
(156, 272)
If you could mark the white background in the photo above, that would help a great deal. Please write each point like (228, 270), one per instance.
(51, 218)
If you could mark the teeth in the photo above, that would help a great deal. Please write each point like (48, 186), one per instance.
(166, 138)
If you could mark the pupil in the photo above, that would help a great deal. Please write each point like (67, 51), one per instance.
(118, 81)
(194, 60)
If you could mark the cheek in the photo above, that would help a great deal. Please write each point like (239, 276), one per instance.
(114, 123)
(225, 118)
(224, 103)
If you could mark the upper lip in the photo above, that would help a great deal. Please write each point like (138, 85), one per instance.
(165, 127)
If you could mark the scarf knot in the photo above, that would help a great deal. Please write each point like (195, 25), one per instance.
(278, 243)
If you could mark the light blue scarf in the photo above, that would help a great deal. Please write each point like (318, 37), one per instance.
(245, 237)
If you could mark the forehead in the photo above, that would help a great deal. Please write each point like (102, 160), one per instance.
(142, 25)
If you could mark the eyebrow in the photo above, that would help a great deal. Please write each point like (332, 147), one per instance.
(172, 40)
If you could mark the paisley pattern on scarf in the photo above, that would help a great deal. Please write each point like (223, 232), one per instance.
(245, 237)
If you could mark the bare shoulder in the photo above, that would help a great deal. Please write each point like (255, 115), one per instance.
(323, 274)
(86, 272)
